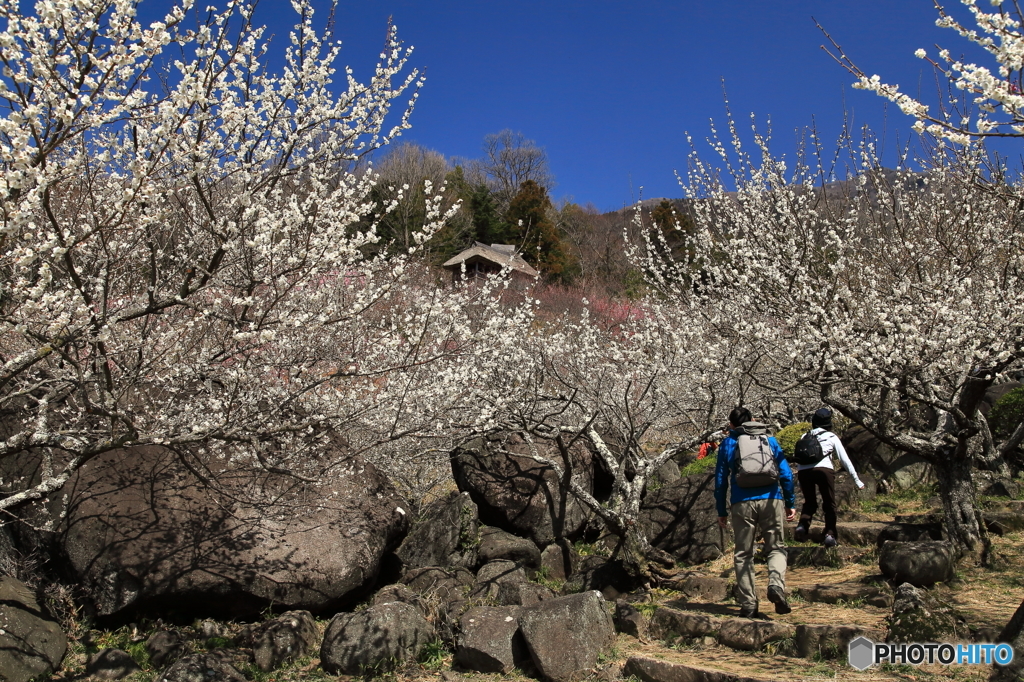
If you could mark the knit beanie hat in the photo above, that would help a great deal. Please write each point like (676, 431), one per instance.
(821, 418)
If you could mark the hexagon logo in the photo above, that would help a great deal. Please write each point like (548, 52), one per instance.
(862, 653)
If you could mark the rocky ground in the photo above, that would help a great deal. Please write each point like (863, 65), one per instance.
(687, 628)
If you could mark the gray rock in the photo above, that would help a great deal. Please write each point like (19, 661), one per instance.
(667, 473)
(559, 560)
(489, 641)
(893, 468)
(845, 592)
(680, 518)
(283, 639)
(522, 594)
(701, 588)
(399, 592)
(496, 544)
(1002, 487)
(377, 639)
(1003, 522)
(922, 616)
(831, 641)
(138, 526)
(655, 670)
(111, 664)
(668, 622)
(517, 494)
(858, 533)
(604, 575)
(31, 642)
(492, 576)
(751, 635)
(447, 534)
(629, 620)
(164, 647)
(918, 563)
(829, 557)
(909, 532)
(202, 668)
(438, 584)
(565, 635)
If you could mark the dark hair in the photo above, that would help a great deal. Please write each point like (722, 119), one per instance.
(821, 418)
(739, 416)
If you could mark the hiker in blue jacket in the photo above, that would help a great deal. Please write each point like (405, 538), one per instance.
(755, 511)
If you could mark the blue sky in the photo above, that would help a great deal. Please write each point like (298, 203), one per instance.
(610, 88)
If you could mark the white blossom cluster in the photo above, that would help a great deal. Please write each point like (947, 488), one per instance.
(183, 251)
(895, 296)
(992, 100)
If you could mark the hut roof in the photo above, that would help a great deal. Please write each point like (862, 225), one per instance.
(501, 255)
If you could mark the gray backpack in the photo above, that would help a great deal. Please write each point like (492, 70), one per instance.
(755, 463)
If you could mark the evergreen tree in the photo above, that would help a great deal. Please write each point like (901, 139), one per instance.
(488, 227)
(534, 231)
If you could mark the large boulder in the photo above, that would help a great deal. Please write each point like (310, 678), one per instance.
(489, 641)
(565, 635)
(891, 467)
(517, 494)
(31, 643)
(377, 639)
(497, 544)
(447, 534)
(680, 518)
(141, 529)
(918, 563)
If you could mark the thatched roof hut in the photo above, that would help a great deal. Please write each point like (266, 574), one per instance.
(481, 260)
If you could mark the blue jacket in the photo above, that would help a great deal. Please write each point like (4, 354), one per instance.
(725, 473)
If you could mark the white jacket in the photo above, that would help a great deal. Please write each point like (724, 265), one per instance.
(830, 443)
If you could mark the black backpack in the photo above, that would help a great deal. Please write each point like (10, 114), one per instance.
(808, 449)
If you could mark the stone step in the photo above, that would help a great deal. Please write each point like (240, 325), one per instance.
(1002, 522)
(823, 557)
(874, 533)
(934, 516)
(656, 670)
(849, 532)
(746, 634)
(845, 592)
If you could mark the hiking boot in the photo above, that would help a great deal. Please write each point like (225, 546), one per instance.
(751, 612)
(778, 597)
(830, 540)
(800, 534)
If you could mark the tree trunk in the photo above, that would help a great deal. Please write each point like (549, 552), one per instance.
(640, 558)
(964, 528)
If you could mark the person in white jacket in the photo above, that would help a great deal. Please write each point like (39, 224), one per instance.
(822, 476)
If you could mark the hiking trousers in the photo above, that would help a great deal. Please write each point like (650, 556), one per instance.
(824, 479)
(750, 519)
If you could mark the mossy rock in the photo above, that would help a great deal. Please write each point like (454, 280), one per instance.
(923, 616)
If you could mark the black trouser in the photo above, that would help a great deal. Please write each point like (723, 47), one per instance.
(825, 481)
